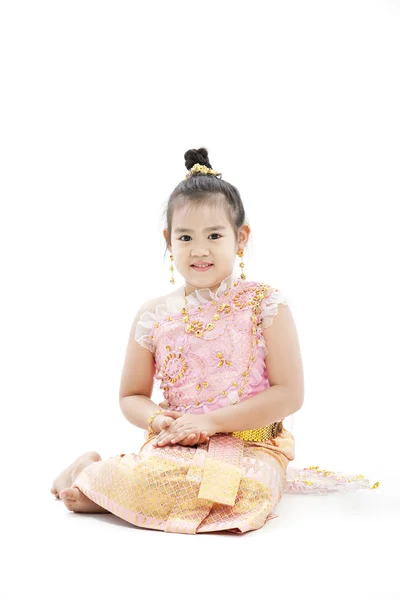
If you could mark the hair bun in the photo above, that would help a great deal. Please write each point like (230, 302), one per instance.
(196, 156)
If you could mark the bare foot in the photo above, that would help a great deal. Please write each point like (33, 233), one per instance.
(66, 478)
(76, 501)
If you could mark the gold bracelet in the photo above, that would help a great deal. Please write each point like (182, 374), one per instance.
(150, 420)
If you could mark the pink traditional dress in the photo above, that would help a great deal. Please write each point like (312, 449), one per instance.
(206, 357)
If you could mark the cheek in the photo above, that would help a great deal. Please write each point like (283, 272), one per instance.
(227, 252)
(179, 259)
(182, 259)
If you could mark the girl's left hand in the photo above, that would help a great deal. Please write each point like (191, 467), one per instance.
(184, 425)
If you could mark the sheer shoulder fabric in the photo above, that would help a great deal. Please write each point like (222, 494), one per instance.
(269, 307)
(149, 313)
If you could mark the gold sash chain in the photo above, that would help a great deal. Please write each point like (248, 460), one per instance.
(260, 435)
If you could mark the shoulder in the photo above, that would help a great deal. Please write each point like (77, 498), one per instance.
(149, 313)
(270, 299)
(153, 306)
(265, 291)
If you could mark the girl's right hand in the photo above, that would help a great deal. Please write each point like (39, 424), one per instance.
(160, 422)
(190, 440)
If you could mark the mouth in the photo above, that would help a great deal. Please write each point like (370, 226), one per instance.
(201, 266)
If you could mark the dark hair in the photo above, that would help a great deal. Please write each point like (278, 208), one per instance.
(205, 189)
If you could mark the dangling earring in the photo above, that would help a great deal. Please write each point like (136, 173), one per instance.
(172, 280)
(241, 264)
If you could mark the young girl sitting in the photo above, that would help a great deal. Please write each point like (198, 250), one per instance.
(226, 353)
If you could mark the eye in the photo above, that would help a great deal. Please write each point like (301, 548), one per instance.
(182, 236)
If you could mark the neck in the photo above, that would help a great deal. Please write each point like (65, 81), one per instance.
(189, 288)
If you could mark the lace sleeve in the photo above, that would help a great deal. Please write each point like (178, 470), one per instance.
(144, 321)
(269, 307)
(142, 333)
(151, 312)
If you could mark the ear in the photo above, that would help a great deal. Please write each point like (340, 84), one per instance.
(243, 236)
(165, 234)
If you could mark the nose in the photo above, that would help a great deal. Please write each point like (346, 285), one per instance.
(200, 253)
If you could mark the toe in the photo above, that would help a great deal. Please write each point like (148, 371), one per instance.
(69, 494)
(94, 456)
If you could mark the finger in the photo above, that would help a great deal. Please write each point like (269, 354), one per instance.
(167, 422)
(167, 431)
(175, 427)
(174, 436)
(157, 441)
(170, 428)
(159, 437)
(196, 440)
(190, 440)
(185, 434)
(163, 435)
(172, 413)
(163, 432)
(174, 432)
(156, 445)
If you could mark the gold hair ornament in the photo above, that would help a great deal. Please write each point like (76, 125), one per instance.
(198, 168)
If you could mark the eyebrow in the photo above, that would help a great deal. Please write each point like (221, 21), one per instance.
(183, 229)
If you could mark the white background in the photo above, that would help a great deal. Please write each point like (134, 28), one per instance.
(298, 106)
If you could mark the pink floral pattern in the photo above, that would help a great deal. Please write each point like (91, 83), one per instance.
(202, 373)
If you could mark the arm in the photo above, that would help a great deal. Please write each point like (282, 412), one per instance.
(285, 375)
(271, 405)
(137, 381)
(137, 409)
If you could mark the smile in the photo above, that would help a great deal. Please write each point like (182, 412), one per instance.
(202, 268)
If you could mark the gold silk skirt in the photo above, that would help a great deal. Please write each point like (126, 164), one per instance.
(232, 482)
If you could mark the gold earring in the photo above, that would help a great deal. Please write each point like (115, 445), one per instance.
(172, 280)
(241, 264)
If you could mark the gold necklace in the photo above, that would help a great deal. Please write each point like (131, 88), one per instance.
(258, 293)
(196, 326)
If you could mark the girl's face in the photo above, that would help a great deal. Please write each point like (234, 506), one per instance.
(204, 235)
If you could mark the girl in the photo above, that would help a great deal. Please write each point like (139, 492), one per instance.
(227, 356)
